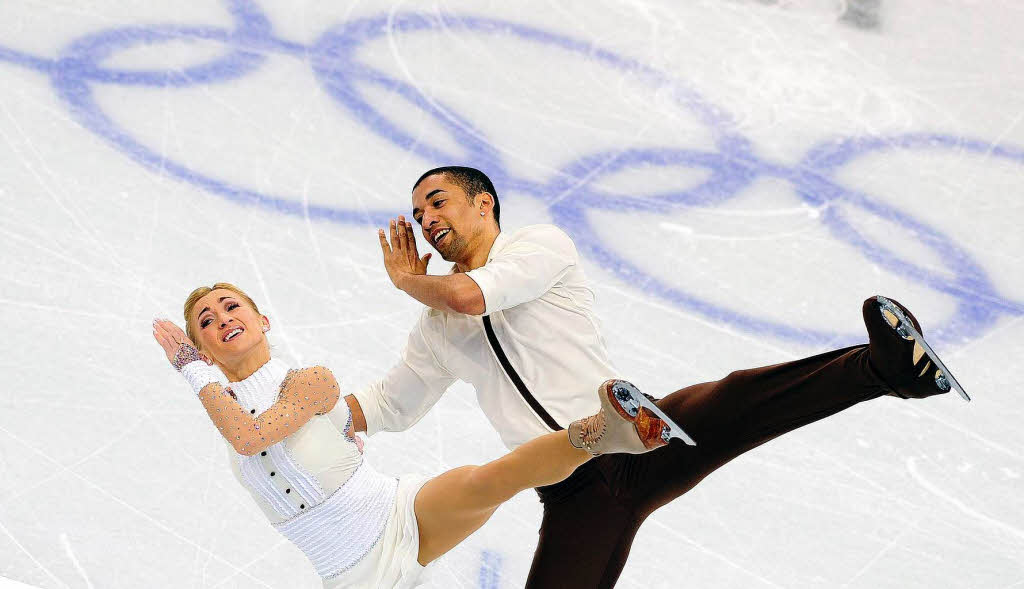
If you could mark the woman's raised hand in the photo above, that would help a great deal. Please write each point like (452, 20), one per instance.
(172, 339)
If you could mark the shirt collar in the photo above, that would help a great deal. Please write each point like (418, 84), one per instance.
(499, 244)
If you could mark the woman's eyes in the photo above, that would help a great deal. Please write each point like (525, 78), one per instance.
(231, 307)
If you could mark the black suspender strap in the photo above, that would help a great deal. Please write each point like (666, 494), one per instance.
(514, 377)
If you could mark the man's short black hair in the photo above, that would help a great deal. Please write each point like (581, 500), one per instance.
(471, 180)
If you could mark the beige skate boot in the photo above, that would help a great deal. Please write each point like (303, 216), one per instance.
(613, 429)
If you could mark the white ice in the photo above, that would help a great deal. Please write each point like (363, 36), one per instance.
(110, 473)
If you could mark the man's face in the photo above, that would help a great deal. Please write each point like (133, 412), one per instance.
(449, 221)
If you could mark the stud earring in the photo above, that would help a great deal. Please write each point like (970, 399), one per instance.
(482, 214)
(266, 329)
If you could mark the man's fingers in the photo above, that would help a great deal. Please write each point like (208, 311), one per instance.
(410, 235)
(403, 235)
(394, 236)
(383, 242)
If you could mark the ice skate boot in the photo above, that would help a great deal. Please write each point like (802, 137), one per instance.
(899, 353)
(628, 422)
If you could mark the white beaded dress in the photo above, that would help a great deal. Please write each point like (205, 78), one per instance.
(356, 526)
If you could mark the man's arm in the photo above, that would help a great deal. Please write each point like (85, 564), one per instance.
(454, 293)
(407, 391)
(358, 419)
(526, 268)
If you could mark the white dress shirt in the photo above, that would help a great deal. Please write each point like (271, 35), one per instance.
(541, 310)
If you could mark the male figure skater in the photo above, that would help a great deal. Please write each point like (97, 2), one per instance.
(514, 319)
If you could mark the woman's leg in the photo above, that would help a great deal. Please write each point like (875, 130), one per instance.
(456, 503)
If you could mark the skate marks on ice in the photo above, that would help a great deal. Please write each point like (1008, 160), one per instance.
(975, 512)
(127, 510)
(572, 192)
(66, 543)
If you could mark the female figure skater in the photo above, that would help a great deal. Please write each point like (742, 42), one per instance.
(292, 450)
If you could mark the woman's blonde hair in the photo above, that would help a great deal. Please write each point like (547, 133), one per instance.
(201, 292)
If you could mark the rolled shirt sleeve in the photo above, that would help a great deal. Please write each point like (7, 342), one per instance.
(525, 269)
(410, 388)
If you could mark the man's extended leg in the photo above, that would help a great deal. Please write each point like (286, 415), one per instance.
(726, 418)
(746, 409)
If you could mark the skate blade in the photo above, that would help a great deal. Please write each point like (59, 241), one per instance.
(906, 329)
(636, 400)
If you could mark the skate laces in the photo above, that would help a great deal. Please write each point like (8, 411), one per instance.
(592, 429)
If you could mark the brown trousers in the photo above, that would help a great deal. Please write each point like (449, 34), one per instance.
(590, 518)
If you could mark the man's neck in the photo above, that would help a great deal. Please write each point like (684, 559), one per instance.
(481, 252)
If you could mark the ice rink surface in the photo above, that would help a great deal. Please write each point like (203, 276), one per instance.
(738, 176)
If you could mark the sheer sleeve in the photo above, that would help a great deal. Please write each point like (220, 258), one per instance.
(304, 393)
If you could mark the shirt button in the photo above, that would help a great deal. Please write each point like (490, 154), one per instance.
(302, 506)
(272, 473)
(287, 490)
(263, 453)
(253, 411)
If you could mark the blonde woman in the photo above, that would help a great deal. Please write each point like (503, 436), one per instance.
(291, 448)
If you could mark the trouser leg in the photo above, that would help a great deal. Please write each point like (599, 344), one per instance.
(744, 410)
(584, 533)
(726, 418)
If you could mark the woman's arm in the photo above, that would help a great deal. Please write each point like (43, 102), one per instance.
(304, 393)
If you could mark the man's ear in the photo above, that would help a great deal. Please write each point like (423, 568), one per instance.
(485, 201)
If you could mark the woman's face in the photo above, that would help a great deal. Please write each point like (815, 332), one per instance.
(227, 328)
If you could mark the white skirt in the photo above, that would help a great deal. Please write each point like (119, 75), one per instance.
(392, 561)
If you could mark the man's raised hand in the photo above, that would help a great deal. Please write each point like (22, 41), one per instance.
(401, 257)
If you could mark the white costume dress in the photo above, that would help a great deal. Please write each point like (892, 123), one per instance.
(355, 525)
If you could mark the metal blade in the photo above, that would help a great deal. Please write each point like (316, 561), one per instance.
(908, 325)
(631, 400)
(674, 430)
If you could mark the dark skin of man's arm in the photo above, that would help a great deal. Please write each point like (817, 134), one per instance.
(453, 293)
(358, 420)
